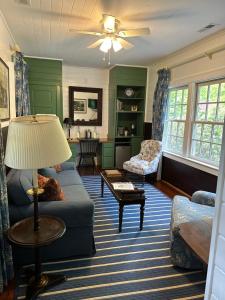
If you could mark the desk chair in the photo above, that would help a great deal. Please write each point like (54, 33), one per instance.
(88, 152)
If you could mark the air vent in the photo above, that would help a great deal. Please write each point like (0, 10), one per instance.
(24, 2)
(207, 27)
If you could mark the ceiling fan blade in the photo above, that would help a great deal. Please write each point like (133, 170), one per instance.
(96, 44)
(85, 32)
(125, 44)
(134, 32)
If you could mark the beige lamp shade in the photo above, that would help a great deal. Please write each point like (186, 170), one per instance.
(36, 142)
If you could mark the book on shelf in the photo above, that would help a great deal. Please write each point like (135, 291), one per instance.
(113, 173)
(123, 186)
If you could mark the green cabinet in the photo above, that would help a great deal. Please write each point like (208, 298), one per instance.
(127, 93)
(136, 145)
(107, 156)
(45, 84)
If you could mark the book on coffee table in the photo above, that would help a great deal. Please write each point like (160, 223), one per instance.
(123, 186)
(111, 173)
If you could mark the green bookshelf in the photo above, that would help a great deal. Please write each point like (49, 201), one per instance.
(127, 92)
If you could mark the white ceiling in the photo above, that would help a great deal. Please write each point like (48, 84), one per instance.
(42, 29)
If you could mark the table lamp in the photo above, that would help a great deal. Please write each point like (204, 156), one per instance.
(69, 123)
(34, 142)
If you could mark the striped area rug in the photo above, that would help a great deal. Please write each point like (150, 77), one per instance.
(129, 265)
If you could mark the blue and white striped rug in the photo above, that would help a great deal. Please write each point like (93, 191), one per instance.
(129, 265)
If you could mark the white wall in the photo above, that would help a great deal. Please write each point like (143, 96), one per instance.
(216, 269)
(6, 40)
(201, 69)
(86, 77)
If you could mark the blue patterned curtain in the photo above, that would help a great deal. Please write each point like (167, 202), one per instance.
(6, 264)
(22, 87)
(160, 103)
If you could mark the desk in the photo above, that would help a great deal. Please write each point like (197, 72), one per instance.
(106, 154)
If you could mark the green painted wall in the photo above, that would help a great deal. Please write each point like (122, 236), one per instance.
(45, 83)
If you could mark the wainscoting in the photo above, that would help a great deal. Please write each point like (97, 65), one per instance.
(187, 178)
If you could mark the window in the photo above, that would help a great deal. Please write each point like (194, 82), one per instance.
(175, 120)
(198, 133)
(208, 121)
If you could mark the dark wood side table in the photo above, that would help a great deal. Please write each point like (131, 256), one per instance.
(22, 234)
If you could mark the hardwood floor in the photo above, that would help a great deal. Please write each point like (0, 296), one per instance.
(162, 186)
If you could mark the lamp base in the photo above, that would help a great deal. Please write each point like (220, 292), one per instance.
(45, 282)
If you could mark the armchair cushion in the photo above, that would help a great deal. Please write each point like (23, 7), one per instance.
(205, 198)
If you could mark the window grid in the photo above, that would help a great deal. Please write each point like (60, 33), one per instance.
(210, 146)
(174, 137)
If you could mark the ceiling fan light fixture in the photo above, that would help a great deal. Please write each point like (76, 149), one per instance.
(106, 45)
(116, 45)
(109, 23)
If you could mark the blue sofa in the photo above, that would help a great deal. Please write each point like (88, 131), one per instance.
(200, 207)
(76, 211)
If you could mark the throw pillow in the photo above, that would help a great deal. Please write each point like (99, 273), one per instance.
(52, 191)
(42, 180)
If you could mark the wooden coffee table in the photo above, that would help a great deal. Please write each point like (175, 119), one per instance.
(197, 235)
(132, 197)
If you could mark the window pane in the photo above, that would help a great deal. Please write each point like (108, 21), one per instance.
(171, 112)
(180, 131)
(179, 97)
(179, 144)
(203, 93)
(205, 151)
(185, 96)
(174, 128)
(221, 112)
(211, 115)
(197, 131)
(222, 92)
(178, 112)
(215, 153)
(184, 112)
(206, 134)
(213, 92)
(172, 97)
(201, 112)
(196, 146)
(217, 134)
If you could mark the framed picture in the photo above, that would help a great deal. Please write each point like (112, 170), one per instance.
(4, 91)
(80, 106)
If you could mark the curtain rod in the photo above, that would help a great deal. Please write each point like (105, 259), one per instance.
(208, 54)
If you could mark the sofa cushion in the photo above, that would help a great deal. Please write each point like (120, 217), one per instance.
(18, 182)
(69, 177)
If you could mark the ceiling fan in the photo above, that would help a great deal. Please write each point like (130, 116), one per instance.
(112, 35)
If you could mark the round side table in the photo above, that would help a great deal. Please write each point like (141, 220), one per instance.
(22, 234)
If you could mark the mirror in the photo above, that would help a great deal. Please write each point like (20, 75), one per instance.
(85, 105)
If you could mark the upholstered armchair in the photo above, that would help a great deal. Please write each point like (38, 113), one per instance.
(199, 208)
(147, 161)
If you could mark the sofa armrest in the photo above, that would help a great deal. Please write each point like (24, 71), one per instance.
(203, 197)
(68, 166)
